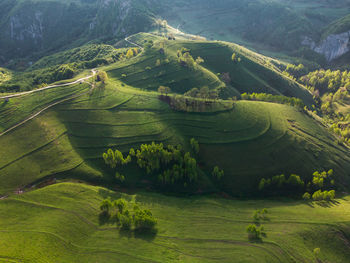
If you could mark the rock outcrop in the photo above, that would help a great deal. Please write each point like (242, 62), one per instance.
(332, 47)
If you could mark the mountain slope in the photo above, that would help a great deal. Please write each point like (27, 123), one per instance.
(35, 28)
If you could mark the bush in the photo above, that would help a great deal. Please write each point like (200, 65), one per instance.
(255, 232)
(144, 220)
(306, 196)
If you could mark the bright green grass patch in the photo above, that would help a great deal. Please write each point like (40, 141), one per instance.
(63, 219)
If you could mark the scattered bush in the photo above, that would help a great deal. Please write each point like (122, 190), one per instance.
(255, 232)
(194, 145)
(217, 173)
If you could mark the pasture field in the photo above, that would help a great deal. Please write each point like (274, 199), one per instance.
(61, 223)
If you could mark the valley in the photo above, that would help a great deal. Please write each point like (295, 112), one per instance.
(125, 139)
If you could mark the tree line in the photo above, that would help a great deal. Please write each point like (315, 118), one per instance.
(319, 188)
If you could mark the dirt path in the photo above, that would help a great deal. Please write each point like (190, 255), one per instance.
(51, 105)
(49, 87)
(133, 43)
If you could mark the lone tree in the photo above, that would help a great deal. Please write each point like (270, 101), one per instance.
(102, 76)
(163, 89)
(194, 145)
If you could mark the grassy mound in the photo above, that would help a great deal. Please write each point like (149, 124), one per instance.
(250, 141)
(64, 219)
(254, 72)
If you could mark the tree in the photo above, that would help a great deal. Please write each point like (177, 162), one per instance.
(194, 145)
(102, 76)
(106, 206)
(199, 60)
(120, 205)
(317, 252)
(255, 232)
(144, 220)
(130, 53)
(234, 57)
(161, 90)
(217, 173)
(204, 92)
(306, 196)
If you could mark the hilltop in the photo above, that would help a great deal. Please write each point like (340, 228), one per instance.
(249, 140)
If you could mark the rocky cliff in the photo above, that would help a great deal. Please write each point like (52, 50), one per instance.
(332, 47)
(28, 27)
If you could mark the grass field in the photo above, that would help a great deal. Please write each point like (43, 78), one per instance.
(61, 223)
(250, 141)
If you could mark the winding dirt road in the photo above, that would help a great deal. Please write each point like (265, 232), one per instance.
(133, 43)
(50, 105)
(49, 87)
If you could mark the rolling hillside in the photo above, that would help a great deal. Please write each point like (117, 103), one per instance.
(249, 141)
(64, 220)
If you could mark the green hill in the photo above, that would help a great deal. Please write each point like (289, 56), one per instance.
(62, 222)
(254, 73)
(250, 141)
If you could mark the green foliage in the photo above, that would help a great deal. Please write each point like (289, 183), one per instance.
(217, 173)
(295, 71)
(163, 89)
(255, 232)
(144, 220)
(280, 185)
(141, 220)
(102, 76)
(260, 215)
(115, 158)
(274, 98)
(322, 179)
(194, 145)
(106, 206)
(323, 195)
(306, 196)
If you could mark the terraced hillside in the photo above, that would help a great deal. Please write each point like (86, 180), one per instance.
(64, 220)
(254, 72)
(249, 141)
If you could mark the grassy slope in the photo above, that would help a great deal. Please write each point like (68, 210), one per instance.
(255, 73)
(251, 138)
(60, 222)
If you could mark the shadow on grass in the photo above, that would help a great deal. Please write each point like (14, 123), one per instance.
(104, 218)
(328, 204)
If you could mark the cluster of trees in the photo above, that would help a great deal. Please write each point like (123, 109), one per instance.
(319, 188)
(186, 60)
(342, 129)
(188, 104)
(294, 71)
(320, 195)
(174, 164)
(171, 165)
(274, 98)
(327, 80)
(132, 52)
(203, 93)
(331, 88)
(256, 231)
(164, 90)
(279, 184)
(321, 181)
(136, 219)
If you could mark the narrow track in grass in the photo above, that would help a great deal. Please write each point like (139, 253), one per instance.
(49, 87)
(50, 105)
